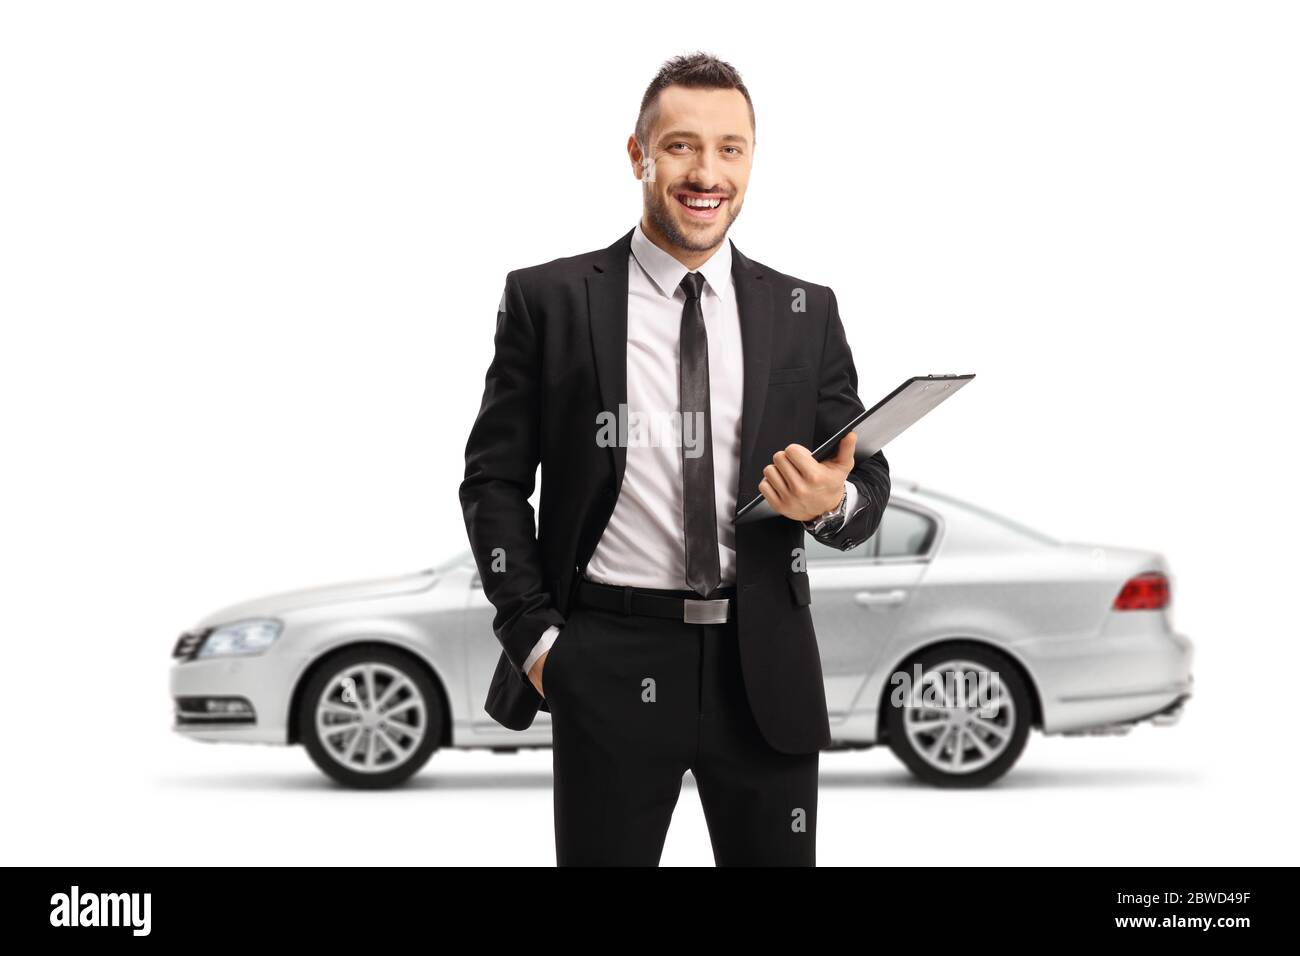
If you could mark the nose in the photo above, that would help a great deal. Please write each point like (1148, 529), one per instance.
(704, 169)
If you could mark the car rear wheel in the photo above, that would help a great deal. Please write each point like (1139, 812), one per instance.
(370, 717)
(965, 724)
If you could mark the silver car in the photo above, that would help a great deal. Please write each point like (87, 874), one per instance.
(947, 635)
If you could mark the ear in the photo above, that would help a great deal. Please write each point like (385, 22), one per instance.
(635, 156)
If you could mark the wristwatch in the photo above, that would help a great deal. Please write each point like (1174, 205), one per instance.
(831, 521)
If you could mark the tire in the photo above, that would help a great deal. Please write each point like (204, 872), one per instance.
(384, 749)
(926, 739)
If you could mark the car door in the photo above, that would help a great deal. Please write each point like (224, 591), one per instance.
(859, 596)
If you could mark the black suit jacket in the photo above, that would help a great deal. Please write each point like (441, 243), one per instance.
(561, 359)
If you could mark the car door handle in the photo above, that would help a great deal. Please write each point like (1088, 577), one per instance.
(879, 598)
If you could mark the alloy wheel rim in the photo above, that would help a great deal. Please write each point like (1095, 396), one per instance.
(963, 733)
(371, 717)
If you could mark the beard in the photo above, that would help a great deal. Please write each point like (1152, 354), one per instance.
(663, 219)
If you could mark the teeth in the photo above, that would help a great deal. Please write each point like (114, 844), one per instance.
(702, 203)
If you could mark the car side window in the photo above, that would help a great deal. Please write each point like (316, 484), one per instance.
(904, 533)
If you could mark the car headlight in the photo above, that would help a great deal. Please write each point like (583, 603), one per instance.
(242, 637)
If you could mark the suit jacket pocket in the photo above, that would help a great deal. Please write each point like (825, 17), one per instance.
(787, 376)
(800, 589)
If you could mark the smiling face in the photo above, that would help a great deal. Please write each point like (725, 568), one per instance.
(695, 169)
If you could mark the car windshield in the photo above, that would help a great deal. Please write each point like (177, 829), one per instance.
(460, 560)
(991, 516)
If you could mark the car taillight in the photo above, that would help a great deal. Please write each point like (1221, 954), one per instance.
(1146, 592)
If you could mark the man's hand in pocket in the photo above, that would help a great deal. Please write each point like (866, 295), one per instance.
(535, 673)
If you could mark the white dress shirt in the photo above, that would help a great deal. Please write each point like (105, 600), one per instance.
(643, 543)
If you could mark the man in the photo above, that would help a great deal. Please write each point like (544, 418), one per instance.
(660, 636)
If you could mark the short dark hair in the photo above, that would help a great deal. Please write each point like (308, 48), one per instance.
(701, 71)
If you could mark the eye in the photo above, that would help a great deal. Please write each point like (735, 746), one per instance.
(675, 145)
(734, 149)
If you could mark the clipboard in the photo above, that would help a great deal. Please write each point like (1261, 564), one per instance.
(877, 426)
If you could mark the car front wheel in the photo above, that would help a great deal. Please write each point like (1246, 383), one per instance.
(965, 723)
(370, 717)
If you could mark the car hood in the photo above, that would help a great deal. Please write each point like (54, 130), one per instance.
(285, 601)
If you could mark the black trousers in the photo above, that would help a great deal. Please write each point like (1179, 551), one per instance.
(636, 702)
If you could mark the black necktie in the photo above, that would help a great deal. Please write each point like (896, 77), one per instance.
(699, 514)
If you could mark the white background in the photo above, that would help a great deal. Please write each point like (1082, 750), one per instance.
(250, 258)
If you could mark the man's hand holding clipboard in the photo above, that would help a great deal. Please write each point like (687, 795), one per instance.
(798, 480)
(796, 485)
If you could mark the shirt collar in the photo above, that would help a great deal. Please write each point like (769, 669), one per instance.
(667, 273)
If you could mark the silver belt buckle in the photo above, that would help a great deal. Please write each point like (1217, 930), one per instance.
(705, 612)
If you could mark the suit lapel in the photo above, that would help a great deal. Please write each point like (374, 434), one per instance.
(754, 300)
(607, 319)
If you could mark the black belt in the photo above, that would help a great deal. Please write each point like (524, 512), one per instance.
(675, 605)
